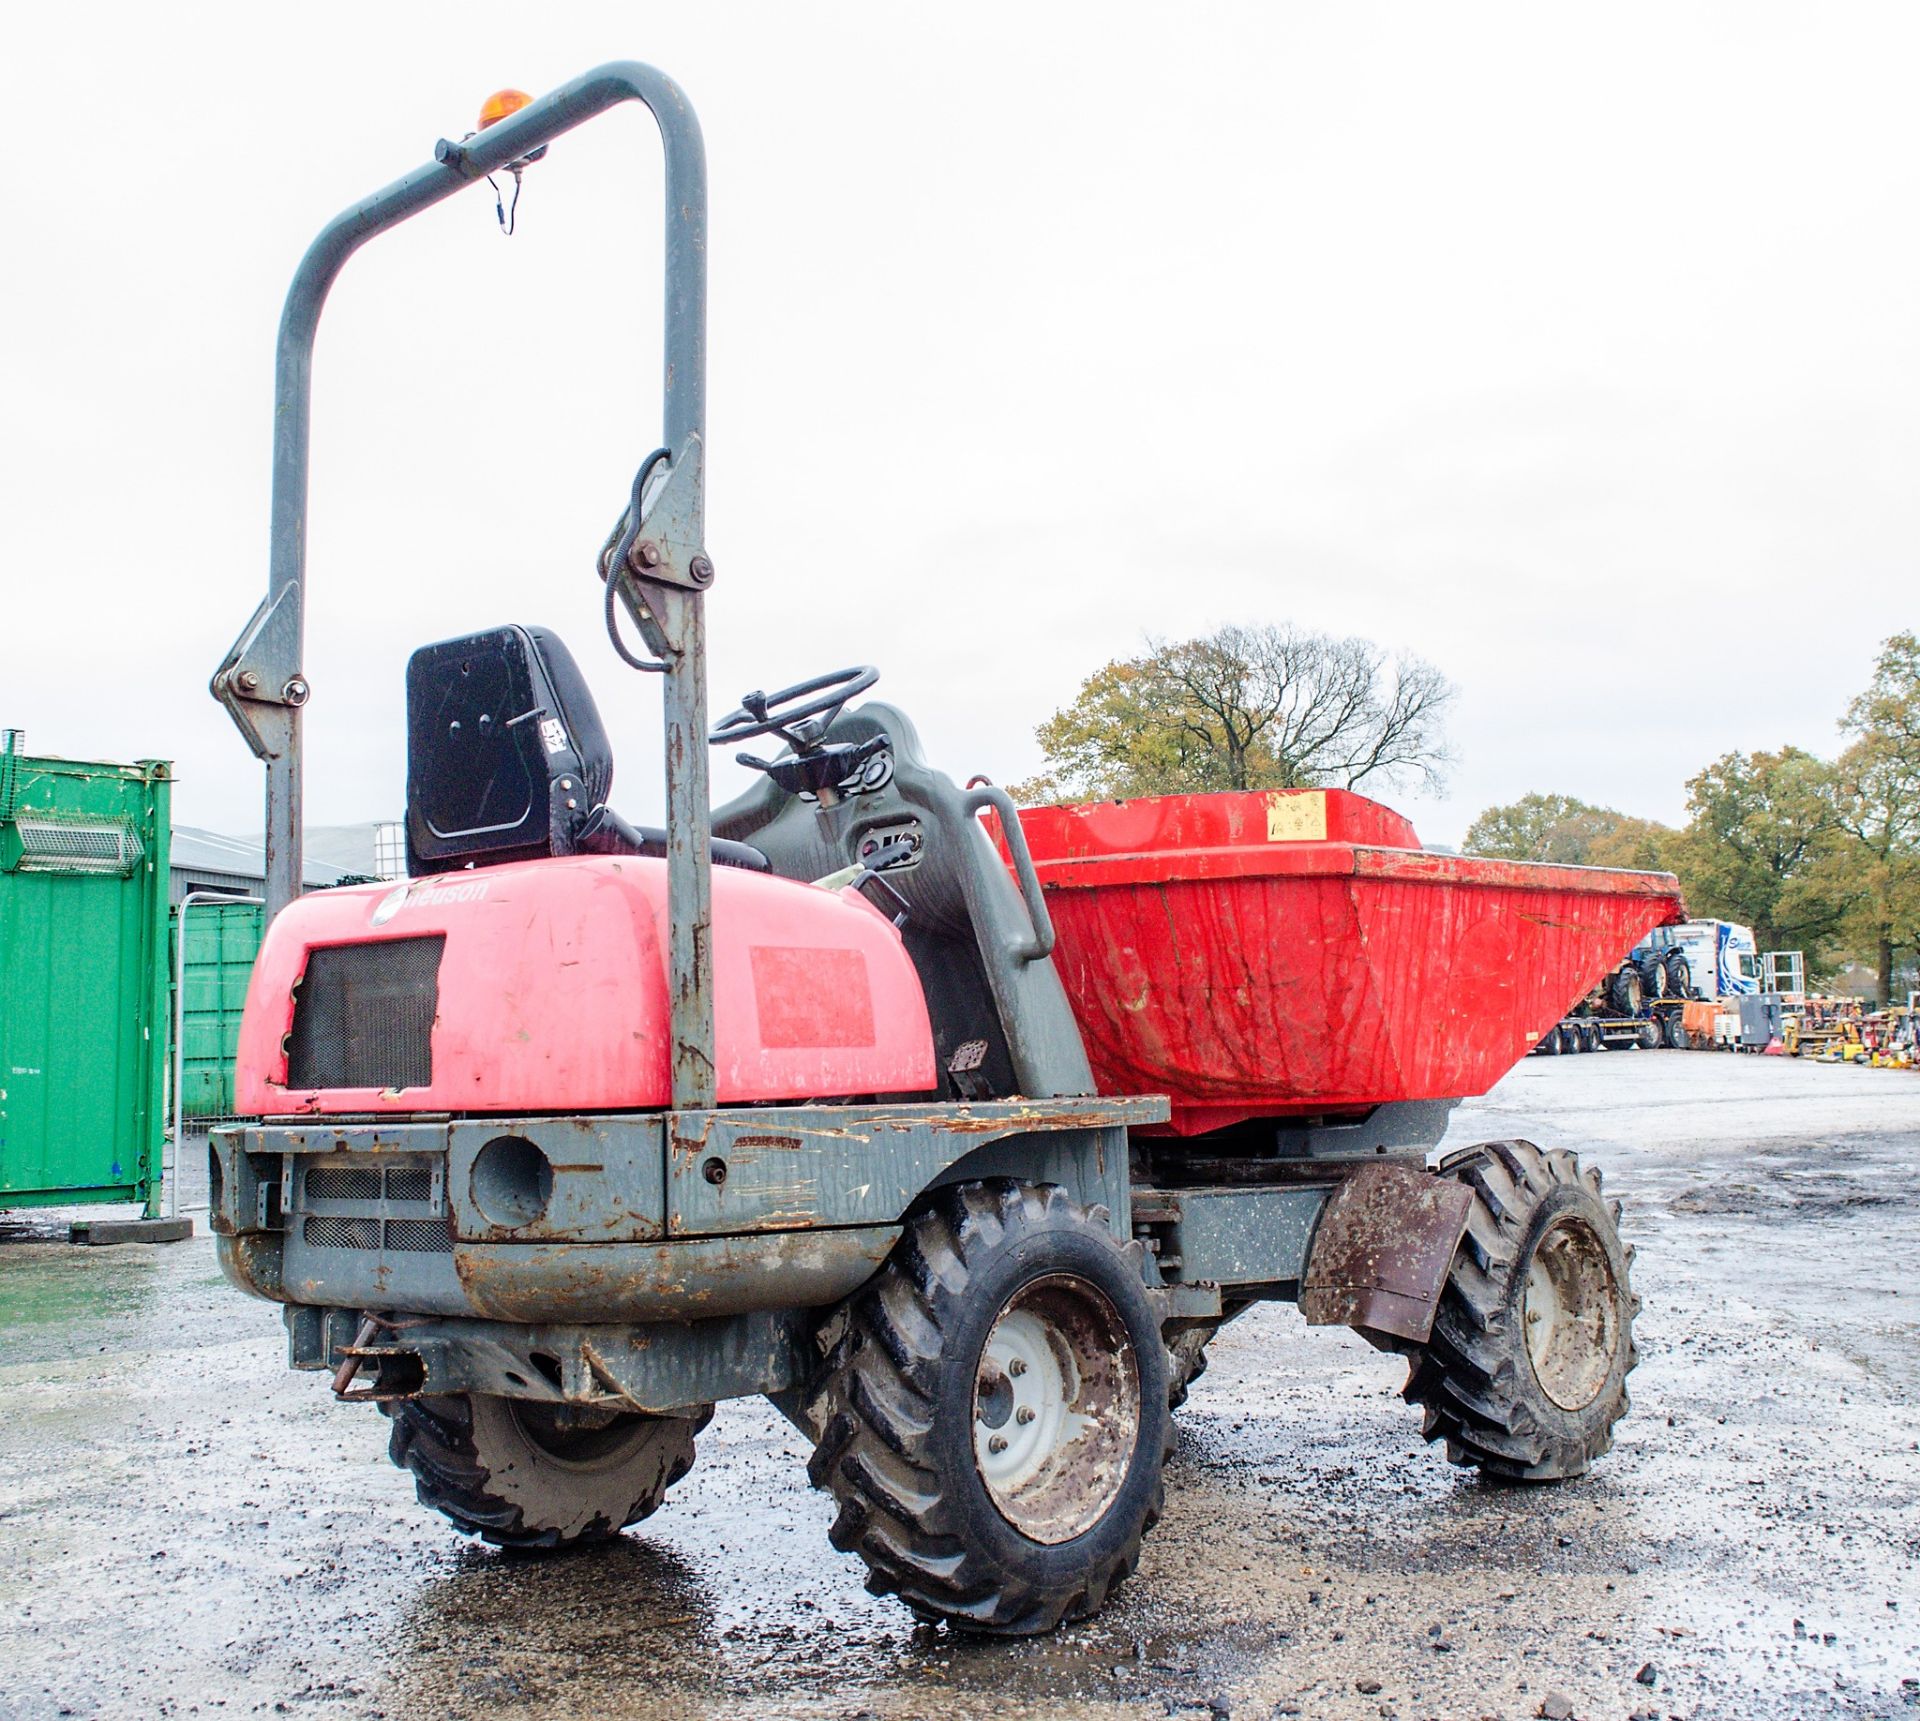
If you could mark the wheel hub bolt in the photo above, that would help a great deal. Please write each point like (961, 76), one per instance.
(1024, 1413)
(997, 1444)
(1016, 1368)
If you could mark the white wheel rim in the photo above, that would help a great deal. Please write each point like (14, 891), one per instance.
(1570, 1314)
(1056, 1408)
(1019, 1426)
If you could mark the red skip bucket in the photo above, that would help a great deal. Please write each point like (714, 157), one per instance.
(1293, 953)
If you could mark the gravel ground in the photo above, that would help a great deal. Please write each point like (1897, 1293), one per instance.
(188, 1529)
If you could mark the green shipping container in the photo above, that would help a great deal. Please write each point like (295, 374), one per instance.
(83, 979)
(222, 940)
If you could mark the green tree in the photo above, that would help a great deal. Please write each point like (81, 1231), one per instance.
(1641, 845)
(1763, 824)
(1570, 832)
(1245, 708)
(1875, 869)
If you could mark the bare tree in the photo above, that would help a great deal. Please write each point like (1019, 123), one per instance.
(1247, 708)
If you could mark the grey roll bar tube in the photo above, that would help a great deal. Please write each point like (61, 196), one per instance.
(261, 681)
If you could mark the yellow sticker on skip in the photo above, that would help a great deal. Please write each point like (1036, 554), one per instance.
(1297, 816)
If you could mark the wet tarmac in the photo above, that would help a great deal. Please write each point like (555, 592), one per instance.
(188, 1529)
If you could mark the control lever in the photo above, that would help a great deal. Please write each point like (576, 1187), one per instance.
(895, 851)
(821, 773)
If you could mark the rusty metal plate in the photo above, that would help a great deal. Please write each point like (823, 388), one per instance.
(791, 1168)
(1381, 1254)
(608, 1179)
(1244, 1236)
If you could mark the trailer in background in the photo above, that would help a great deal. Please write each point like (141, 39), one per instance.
(1603, 1033)
(1690, 986)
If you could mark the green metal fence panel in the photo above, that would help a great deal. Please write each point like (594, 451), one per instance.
(83, 978)
(222, 940)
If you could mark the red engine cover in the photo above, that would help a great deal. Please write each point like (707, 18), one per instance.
(553, 991)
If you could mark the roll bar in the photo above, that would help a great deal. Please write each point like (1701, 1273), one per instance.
(661, 575)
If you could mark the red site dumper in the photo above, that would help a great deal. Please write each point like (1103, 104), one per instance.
(954, 1130)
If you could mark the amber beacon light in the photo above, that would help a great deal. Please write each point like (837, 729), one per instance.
(504, 104)
(501, 105)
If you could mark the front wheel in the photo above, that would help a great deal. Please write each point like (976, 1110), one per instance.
(1624, 992)
(528, 1475)
(994, 1412)
(1525, 1372)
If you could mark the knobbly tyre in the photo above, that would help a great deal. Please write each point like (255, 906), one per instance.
(586, 1127)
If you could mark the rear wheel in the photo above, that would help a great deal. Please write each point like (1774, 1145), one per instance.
(1596, 1037)
(1186, 1362)
(1653, 978)
(1187, 1353)
(1679, 975)
(1676, 1032)
(1525, 1373)
(522, 1474)
(994, 1412)
(1550, 1044)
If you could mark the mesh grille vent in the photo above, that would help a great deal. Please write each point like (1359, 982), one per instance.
(58, 845)
(420, 1236)
(363, 1017)
(342, 1233)
(410, 1185)
(338, 1183)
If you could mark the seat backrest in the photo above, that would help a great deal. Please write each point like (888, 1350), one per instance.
(496, 723)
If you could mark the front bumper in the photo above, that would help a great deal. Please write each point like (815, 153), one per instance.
(384, 1217)
(647, 1217)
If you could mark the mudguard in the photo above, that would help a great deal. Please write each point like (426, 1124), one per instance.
(1382, 1251)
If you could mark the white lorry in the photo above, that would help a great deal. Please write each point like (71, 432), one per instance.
(1721, 959)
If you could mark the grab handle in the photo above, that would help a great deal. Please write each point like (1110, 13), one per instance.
(1041, 944)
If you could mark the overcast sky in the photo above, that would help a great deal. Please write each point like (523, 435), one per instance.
(1572, 349)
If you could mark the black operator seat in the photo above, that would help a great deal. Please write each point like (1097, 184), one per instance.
(507, 759)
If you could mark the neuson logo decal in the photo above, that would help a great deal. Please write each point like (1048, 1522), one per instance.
(427, 896)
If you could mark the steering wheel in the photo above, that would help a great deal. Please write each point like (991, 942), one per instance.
(778, 713)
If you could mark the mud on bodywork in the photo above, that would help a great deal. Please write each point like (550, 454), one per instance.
(635, 1231)
(1382, 1250)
